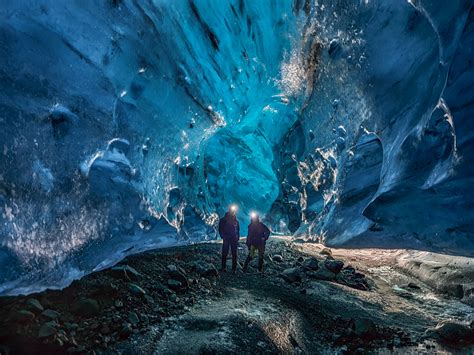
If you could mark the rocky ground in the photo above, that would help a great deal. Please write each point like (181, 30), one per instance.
(309, 300)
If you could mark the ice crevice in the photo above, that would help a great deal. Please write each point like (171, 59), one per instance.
(126, 126)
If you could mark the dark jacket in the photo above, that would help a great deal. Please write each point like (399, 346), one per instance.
(258, 234)
(229, 228)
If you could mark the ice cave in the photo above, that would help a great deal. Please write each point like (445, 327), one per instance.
(130, 125)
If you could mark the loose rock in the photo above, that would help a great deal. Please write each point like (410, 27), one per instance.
(23, 316)
(205, 269)
(311, 264)
(452, 333)
(322, 273)
(291, 275)
(277, 258)
(46, 330)
(174, 284)
(136, 289)
(334, 265)
(49, 313)
(86, 307)
(126, 330)
(126, 272)
(35, 305)
(364, 327)
(133, 318)
(326, 251)
(179, 276)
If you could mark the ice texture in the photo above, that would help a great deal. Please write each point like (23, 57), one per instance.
(130, 125)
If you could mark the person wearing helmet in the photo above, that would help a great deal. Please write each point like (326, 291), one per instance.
(229, 231)
(257, 237)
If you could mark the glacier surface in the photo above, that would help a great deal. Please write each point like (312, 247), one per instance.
(130, 125)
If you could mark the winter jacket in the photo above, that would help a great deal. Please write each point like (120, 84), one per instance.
(229, 228)
(258, 234)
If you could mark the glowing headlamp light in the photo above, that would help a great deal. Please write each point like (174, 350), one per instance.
(233, 208)
(253, 215)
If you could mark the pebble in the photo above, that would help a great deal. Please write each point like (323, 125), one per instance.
(277, 258)
(136, 289)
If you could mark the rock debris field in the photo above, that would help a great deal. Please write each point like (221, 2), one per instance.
(310, 299)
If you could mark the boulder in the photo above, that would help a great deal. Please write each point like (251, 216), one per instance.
(23, 316)
(452, 333)
(311, 264)
(359, 284)
(334, 265)
(349, 277)
(47, 330)
(86, 307)
(179, 276)
(205, 269)
(322, 273)
(34, 305)
(49, 313)
(291, 275)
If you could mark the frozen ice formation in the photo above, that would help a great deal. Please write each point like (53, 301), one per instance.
(130, 125)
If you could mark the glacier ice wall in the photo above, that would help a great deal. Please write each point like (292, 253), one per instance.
(129, 125)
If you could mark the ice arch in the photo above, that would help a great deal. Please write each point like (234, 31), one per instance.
(127, 125)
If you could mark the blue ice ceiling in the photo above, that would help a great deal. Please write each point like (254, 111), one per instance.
(130, 125)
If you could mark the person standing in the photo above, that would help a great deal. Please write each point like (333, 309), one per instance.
(257, 237)
(229, 231)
